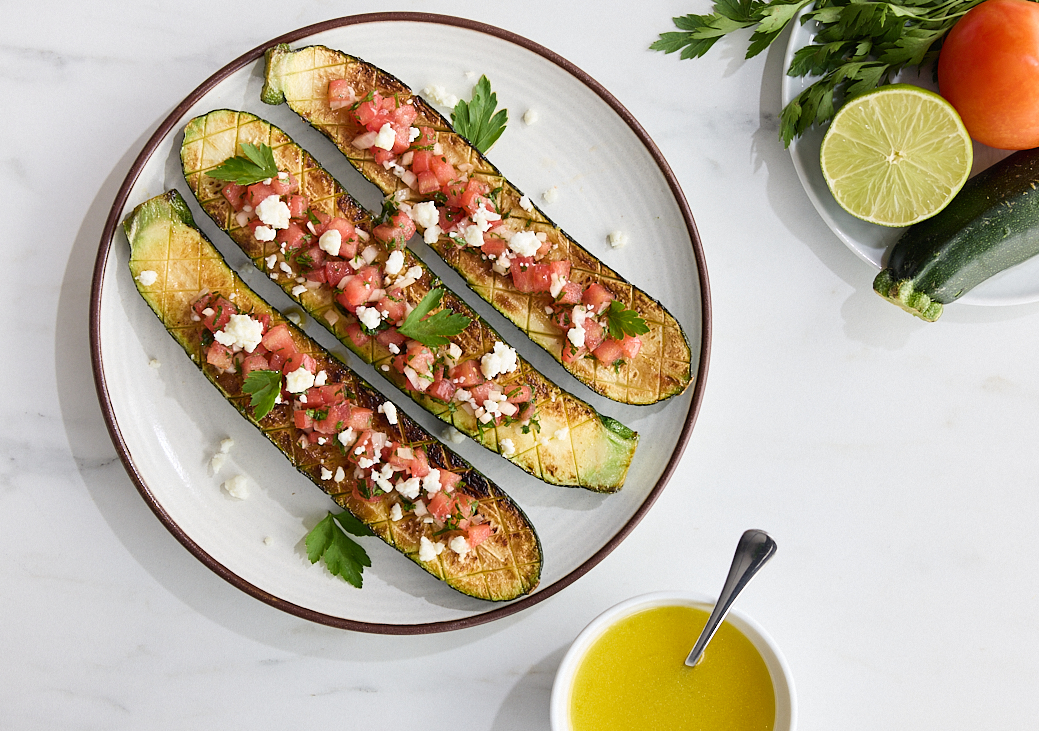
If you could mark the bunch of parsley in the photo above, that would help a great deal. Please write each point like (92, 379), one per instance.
(858, 45)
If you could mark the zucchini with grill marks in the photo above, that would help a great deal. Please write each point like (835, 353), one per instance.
(547, 432)
(550, 284)
(991, 225)
(345, 435)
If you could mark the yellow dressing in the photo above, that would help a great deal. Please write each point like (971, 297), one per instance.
(634, 678)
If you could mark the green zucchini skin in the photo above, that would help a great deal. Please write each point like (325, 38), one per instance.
(991, 225)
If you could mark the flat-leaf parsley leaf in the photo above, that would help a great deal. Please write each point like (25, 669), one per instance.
(623, 322)
(437, 329)
(342, 556)
(264, 386)
(256, 164)
(476, 120)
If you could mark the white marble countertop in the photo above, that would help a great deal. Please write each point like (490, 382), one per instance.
(893, 461)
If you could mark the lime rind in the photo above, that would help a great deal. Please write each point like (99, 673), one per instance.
(896, 155)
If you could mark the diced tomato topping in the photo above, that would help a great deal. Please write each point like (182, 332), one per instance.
(570, 294)
(299, 360)
(348, 236)
(367, 110)
(357, 335)
(323, 220)
(532, 278)
(285, 186)
(631, 345)
(404, 115)
(426, 139)
(448, 480)
(335, 270)
(292, 237)
(419, 466)
(395, 232)
(235, 195)
(257, 193)
(441, 506)
(220, 356)
(419, 357)
(426, 182)
(360, 418)
(608, 352)
(477, 534)
(254, 362)
(483, 392)
(221, 311)
(596, 297)
(519, 393)
(382, 155)
(593, 334)
(561, 269)
(444, 171)
(442, 389)
(371, 275)
(358, 289)
(297, 205)
(279, 340)
(493, 247)
(420, 161)
(472, 197)
(393, 305)
(390, 336)
(335, 419)
(340, 93)
(302, 419)
(570, 353)
(466, 374)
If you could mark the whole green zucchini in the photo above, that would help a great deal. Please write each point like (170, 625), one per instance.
(991, 225)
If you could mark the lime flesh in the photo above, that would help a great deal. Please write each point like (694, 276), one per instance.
(896, 155)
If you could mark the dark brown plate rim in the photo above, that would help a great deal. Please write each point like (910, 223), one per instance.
(112, 223)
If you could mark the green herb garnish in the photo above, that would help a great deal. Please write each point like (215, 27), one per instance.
(621, 322)
(342, 555)
(255, 165)
(437, 329)
(264, 386)
(859, 45)
(476, 120)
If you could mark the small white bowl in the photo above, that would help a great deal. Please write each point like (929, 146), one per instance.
(782, 681)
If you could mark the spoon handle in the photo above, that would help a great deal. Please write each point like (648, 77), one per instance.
(752, 552)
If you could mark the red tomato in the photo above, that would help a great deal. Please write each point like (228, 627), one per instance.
(989, 71)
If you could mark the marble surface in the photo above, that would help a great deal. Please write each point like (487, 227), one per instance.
(893, 461)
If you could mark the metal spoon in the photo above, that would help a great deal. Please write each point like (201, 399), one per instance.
(754, 549)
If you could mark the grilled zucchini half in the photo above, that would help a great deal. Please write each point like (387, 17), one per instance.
(661, 368)
(173, 265)
(554, 436)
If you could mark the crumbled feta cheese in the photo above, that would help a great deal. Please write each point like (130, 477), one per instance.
(502, 359)
(525, 243)
(427, 550)
(236, 487)
(226, 444)
(473, 236)
(483, 219)
(530, 116)
(330, 242)
(410, 488)
(460, 546)
(395, 262)
(284, 266)
(267, 540)
(217, 462)
(414, 133)
(240, 330)
(386, 137)
(431, 234)
(147, 277)
(454, 352)
(271, 261)
(508, 449)
(396, 513)
(298, 290)
(576, 333)
(425, 214)
(453, 435)
(273, 211)
(431, 482)
(340, 474)
(299, 380)
(321, 378)
(155, 363)
(264, 233)
(390, 411)
(563, 433)
(326, 474)
(551, 195)
(556, 285)
(525, 203)
(439, 95)
(617, 239)
(370, 317)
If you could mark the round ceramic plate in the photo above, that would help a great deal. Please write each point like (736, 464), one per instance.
(1017, 285)
(168, 421)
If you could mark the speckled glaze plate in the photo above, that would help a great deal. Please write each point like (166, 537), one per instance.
(1017, 285)
(168, 421)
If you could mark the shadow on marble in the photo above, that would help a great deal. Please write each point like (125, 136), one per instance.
(526, 707)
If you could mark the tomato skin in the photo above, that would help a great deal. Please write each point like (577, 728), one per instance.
(989, 71)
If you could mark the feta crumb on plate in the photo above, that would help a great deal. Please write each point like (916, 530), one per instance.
(617, 239)
(530, 116)
(236, 487)
(551, 195)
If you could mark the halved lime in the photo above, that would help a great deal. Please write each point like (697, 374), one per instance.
(896, 155)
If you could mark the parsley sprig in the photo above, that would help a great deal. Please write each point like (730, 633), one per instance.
(256, 164)
(859, 45)
(264, 386)
(343, 556)
(621, 321)
(437, 329)
(477, 120)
